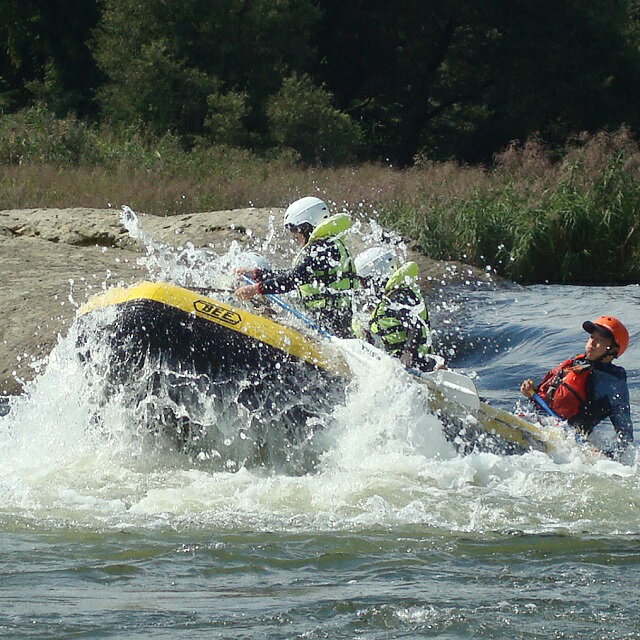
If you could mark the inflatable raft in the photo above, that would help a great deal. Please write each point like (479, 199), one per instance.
(165, 339)
(176, 358)
(190, 331)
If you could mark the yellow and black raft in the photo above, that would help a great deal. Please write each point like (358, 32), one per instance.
(192, 347)
(181, 359)
(189, 331)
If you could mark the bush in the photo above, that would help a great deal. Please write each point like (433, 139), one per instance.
(35, 135)
(302, 117)
(577, 220)
(224, 119)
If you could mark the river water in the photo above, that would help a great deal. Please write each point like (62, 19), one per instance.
(391, 535)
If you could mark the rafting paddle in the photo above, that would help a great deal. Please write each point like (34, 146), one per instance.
(207, 290)
(545, 407)
(454, 386)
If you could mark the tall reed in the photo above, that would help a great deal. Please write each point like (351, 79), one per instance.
(570, 218)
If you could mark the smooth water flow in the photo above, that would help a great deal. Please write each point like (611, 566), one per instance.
(106, 531)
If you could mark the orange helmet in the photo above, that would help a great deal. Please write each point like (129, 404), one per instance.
(612, 326)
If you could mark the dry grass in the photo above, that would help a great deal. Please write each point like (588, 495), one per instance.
(574, 218)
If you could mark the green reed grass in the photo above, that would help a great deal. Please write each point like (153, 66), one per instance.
(572, 218)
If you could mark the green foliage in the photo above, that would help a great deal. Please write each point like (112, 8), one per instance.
(302, 117)
(436, 79)
(575, 219)
(37, 136)
(45, 55)
(224, 122)
(579, 222)
(461, 79)
(634, 24)
(158, 90)
(197, 67)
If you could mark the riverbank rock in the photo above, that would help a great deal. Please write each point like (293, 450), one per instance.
(52, 260)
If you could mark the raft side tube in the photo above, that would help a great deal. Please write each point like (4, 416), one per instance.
(231, 319)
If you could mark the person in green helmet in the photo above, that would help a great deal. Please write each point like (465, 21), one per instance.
(399, 321)
(322, 273)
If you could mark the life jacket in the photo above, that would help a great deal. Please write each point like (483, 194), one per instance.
(386, 329)
(329, 288)
(564, 388)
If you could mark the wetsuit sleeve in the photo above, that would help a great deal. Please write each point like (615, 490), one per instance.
(609, 397)
(621, 413)
(318, 257)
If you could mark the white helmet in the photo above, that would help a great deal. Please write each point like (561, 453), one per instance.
(310, 210)
(254, 260)
(377, 262)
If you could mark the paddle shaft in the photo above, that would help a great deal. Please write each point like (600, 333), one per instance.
(545, 407)
(287, 307)
(206, 290)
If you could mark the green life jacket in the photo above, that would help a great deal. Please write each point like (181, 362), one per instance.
(387, 330)
(329, 288)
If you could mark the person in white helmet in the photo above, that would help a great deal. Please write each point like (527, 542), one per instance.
(399, 322)
(322, 273)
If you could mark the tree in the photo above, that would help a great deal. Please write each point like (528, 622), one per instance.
(46, 54)
(165, 58)
(461, 78)
(634, 24)
(302, 117)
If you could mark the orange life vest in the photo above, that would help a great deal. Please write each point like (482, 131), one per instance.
(564, 388)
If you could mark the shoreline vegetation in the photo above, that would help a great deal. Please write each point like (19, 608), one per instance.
(535, 215)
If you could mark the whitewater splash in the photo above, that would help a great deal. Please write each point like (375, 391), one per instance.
(380, 460)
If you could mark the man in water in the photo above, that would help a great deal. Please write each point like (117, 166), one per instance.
(399, 321)
(322, 272)
(586, 389)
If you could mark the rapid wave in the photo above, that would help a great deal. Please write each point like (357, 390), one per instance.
(380, 460)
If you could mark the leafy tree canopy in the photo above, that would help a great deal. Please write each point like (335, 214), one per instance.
(45, 54)
(435, 78)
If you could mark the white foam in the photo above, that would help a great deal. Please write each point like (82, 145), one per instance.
(383, 460)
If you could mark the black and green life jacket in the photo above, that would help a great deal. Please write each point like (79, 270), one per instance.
(387, 328)
(329, 288)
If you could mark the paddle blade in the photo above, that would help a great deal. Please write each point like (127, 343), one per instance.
(455, 387)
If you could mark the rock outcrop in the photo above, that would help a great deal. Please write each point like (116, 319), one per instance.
(53, 259)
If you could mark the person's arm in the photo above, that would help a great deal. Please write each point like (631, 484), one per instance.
(287, 279)
(248, 291)
(621, 416)
(315, 259)
(254, 274)
(318, 257)
(609, 397)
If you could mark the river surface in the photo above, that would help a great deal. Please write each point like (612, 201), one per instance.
(391, 535)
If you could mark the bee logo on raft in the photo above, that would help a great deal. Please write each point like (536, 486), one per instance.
(217, 312)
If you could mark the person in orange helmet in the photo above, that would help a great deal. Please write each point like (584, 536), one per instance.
(586, 389)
